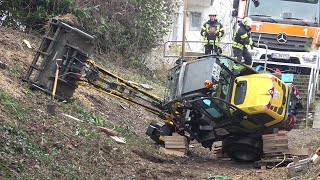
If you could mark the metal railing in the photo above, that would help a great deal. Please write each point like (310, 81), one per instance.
(265, 58)
(177, 56)
(312, 87)
(223, 44)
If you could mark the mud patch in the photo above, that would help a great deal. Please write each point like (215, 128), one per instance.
(150, 157)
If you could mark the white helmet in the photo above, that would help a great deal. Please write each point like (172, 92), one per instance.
(213, 13)
(247, 21)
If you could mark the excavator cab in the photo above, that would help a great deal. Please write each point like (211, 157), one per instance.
(216, 98)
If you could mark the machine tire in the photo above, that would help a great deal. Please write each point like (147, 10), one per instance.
(167, 130)
(153, 132)
(243, 149)
(156, 139)
(156, 130)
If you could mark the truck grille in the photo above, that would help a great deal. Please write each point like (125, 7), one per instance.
(295, 44)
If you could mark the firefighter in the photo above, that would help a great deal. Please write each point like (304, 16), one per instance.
(242, 41)
(212, 31)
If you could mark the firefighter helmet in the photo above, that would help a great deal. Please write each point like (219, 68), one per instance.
(213, 13)
(247, 21)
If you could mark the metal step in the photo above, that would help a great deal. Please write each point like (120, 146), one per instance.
(300, 76)
(43, 53)
(45, 46)
(49, 38)
(36, 67)
(301, 81)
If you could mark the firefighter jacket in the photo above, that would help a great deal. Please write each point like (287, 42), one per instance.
(242, 38)
(212, 31)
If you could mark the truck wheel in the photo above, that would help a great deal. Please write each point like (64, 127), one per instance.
(243, 149)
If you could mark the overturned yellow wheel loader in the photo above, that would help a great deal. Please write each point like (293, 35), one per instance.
(213, 98)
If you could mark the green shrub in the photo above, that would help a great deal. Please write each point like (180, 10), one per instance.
(126, 29)
(130, 28)
(32, 14)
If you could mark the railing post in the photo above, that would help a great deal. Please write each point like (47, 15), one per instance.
(310, 86)
(265, 57)
(317, 74)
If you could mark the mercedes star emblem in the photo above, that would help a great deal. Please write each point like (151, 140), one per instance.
(282, 38)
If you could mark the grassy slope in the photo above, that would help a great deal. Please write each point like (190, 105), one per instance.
(59, 147)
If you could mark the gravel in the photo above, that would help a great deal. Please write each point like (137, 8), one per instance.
(304, 138)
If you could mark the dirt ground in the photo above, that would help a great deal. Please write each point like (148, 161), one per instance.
(98, 157)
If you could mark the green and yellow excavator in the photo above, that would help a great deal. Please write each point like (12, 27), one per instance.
(213, 98)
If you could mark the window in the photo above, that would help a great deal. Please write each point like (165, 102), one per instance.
(195, 21)
(307, 10)
(217, 108)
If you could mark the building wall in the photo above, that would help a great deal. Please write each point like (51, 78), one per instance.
(223, 7)
(164, 57)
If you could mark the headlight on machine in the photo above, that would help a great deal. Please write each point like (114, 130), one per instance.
(309, 58)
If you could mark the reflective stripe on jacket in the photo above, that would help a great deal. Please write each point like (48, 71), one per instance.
(242, 38)
(214, 38)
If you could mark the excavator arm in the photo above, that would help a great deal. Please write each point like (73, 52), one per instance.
(104, 81)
